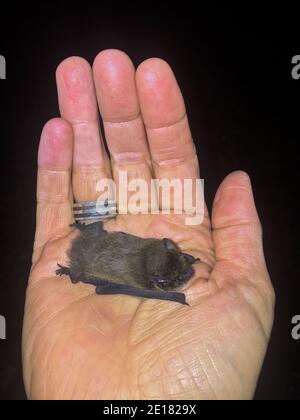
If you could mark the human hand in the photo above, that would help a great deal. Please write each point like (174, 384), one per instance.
(78, 345)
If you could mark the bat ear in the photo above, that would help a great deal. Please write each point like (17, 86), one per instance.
(169, 244)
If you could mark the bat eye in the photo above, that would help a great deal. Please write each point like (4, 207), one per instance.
(168, 244)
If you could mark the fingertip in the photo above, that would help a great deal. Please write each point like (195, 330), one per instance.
(114, 73)
(240, 177)
(159, 94)
(234, 202)
(74, 65)
(114, 77)
(152, 70)
(55, 148)
(236, 179)
(111, 59)
(75, 88)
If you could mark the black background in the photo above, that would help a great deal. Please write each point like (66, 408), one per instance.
(235, 73)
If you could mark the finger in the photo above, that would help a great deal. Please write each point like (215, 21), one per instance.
(78, 105)
(53, 185)
(114, 77)
(237, 232)
(172, 149)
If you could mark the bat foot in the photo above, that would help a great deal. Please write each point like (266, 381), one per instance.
(92, 229)
(62, 270)
(78, 225)
(65, 271)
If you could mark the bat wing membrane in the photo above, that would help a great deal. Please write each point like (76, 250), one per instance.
(110, 288)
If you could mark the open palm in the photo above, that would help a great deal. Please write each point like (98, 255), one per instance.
(79, 345)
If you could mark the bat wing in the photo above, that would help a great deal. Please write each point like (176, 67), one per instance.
(106, 287)
(110, 288)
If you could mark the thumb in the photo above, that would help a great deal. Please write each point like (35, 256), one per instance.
(237, 231)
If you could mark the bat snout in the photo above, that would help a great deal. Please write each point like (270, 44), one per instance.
(186, 275)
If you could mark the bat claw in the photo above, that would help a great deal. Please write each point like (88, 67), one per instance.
(78, 225)
(189, 258)
(62, 270)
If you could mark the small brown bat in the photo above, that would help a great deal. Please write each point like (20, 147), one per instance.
(119, 263)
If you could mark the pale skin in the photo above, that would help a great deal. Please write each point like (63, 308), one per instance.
(79, 345)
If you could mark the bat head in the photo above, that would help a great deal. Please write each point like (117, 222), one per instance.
(169, 268)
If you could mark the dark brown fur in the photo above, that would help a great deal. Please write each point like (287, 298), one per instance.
(117, 258)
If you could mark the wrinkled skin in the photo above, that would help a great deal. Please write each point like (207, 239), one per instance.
(79, 345)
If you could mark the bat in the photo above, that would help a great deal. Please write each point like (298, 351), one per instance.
(120, 263)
